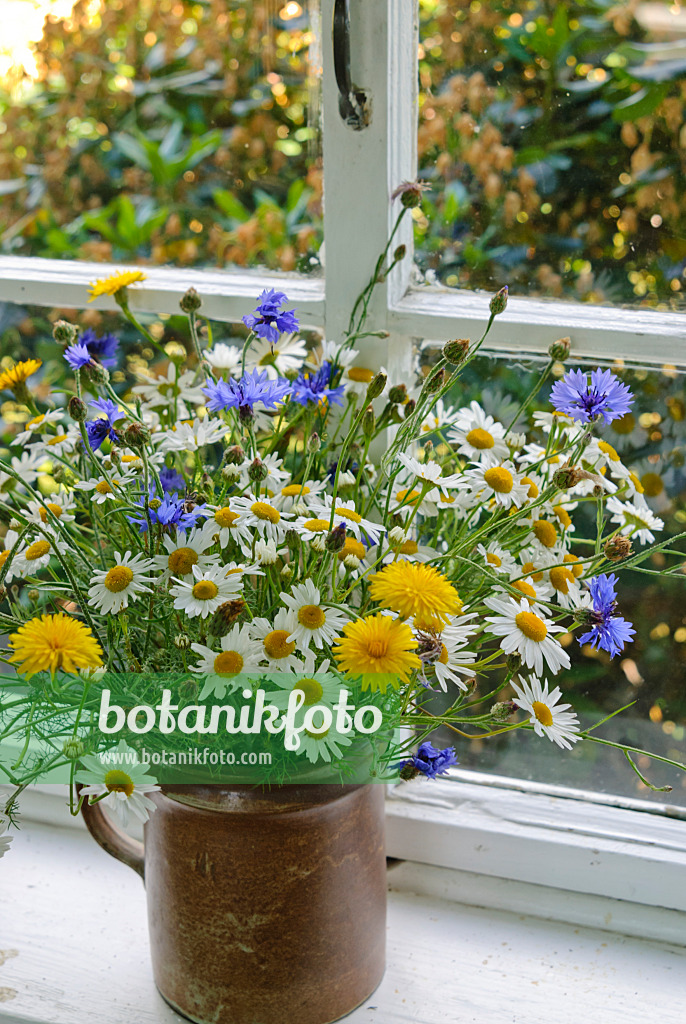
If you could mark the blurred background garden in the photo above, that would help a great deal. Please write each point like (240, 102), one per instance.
(552, 135)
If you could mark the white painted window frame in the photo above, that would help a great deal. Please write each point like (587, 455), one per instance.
(503, 840)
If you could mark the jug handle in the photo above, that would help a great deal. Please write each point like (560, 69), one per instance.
(112, 839)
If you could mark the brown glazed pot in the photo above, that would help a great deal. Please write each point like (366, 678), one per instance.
(264, 906)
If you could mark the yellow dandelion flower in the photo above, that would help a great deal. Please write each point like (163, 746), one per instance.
(115, 282)
(51, 642)
(18, 374)
(378, 650)
(416, 591)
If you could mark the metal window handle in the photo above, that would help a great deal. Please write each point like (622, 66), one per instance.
(354, 103)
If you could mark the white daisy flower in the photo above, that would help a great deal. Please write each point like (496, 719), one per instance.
(60, 505)
(224, 669)
(102, 490)
(500, 482)
(548, 717)
(305, 494)
(36, 555)
(191, 437)
(449, 659)
(311, 528)
(407, 549)
(563, 584)
(313, 622)
(263, 517)
(357, 379)
(276, 476)
(533, 590)
(112, 588)
(321, 747)
(206, 590)
(497, 559)
(331, 352)
(265, 552)
(478, 436)
(58, 445)
(527, 633)
(172, 389)
(277, 651)
(438, 418)
(227, 524)
(287, 354)
(345, 513)
(408, 497)
(184, 551)
(124, 781)
(635, 520)
(560, 420)
(9, 540)
(534, 455)
(27, 466)
(37, 425)
(429, 472)
(319, 686)
(224, 359)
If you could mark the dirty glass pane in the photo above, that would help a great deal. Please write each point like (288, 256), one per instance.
(552, 135)
(161, 132)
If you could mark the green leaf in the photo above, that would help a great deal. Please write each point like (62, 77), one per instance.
(230, 205)
(640, 103)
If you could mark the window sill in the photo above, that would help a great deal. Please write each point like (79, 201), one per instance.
(75, 949)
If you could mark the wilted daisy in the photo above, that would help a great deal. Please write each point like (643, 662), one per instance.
(500, 482)
(191, 437)
(263, 517)
(636, 521)
(238, 654)
(313, 622)
(112, 589)
(548, 717)
(184, 551)
(121, 780)
(276, 649)
(205, 590)
(37, 554)
(59, 505)
(478, 436)
(527, 633)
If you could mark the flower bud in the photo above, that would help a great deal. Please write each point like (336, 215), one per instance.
(617, 548)
(567, 476)
(400, 253)
(182, 641)
(154, 504)
(376, 386)
(513, 662)
(230, 473)
(257, 471)
(245, 415)
(313, 443)
(368, 422)
(64, 332)
(397, 536)
(73, 748)
(560, 349)
(286, 574)
(456, 351)
(97, 373)
(499, 301)
(335, 540)
(176, 352)
(318, 543)
(584, 616)
(351, 561)
(233, 456)
(136, 435)
(435, 382)
(33, 595)
(409, 407)
(225, 616)
(265, 552)
(397, 395)
(78, 410)
(409, 772)
(292, 537)
(190, 302)
(501, 711)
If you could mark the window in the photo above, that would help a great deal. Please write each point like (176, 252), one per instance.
(360, 169)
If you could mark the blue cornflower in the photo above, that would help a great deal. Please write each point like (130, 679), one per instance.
(605, 396)
(242, 394)
(608, 630)
(314, 387)
(77, 355)
(269, 321)
(171, 480)
(429, 761)
(104, 348)
(172, 511)
(99, 429)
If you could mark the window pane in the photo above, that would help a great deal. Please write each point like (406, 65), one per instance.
(651, 670)
(552, 136)
(167, 133)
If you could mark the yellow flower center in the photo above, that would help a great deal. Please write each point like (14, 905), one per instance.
(479, 438)
(55, 509)
(563, 515)
(528, 568)
(292, 490)
(311, 688)
(545, 532)
(352, 547)
(277, 645)
(443, 656)
(316, 525)
(36, 420)
(182, 560)
(625, 424)
(525, 588)
(531, 626)
(118, 578)
(265, 512)
(407, 496)
(493, 559)
(103, 487)
(542, 712)
(311, 616)
(577, 568)
(360, 374)
(57, 439)
(560, 579)
(409, 547)
(118, 781)
(224, 517)
(533, 491)
(652, 484)
(36, 550)
(636, 482)
(377, 648)
(205, 590)
(608, 450)
(4, 555)
(228, 663)
(347, 513)
(499, 479)
(131, 458)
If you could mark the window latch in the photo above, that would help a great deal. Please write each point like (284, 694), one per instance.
(354, 103)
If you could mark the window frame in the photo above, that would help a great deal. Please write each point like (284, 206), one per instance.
(478, 826)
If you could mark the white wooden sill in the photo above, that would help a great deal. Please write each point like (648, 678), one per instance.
(74, 949)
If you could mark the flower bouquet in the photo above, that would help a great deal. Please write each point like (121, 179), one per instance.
(275, 556)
